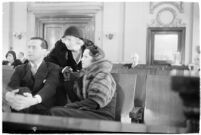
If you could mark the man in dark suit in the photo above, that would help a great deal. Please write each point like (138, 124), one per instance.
(33, 85)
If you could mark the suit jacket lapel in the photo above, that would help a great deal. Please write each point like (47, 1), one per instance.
(40, 76)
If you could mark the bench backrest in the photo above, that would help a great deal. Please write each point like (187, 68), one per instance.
(163, 106)
(125, 94)
(6, 75)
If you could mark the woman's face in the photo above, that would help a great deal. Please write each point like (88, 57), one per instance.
(10, 58)
(86, 59)
(72, 43)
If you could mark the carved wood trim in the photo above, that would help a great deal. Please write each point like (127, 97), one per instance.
(172, 11)
(177, 5)
(63, 9)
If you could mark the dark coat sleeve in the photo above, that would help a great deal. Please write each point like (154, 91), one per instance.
(15, 79)
(58, 54)
(52, 81)
(16, 63)
(86, 104)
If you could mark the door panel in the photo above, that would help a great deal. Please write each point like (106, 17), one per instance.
(52, 33)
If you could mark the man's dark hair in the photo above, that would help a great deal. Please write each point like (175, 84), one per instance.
(44, 44)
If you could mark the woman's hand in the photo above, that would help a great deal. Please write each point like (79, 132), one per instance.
(65, 71)
(65, 40)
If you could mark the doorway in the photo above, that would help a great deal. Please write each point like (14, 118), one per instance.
(52, 31)
(50, 19)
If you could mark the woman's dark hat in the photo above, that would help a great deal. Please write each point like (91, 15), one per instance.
(73, 31)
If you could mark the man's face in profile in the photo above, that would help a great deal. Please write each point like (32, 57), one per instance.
(34, 50)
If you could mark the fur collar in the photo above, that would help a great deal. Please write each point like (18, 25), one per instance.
(98, 66)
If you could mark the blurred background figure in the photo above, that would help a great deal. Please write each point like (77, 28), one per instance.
(135, 60)
(195, 65)
(11, 59)
(22, 58)
(197, 58)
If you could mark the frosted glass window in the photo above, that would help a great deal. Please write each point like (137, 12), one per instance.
(165, 46)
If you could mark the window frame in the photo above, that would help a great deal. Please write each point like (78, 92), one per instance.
(152, 31)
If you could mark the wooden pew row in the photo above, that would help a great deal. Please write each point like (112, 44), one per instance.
(150, 69)
(163, 106)
(125, 93)
(126, 90)
(7, 72)
(142, 72)
(125, 87)
(27, 123)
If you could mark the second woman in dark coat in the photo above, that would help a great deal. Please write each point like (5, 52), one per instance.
(69, 49)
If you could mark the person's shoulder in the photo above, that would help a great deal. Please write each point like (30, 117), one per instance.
(52, 65)
(21, 67)
(5, 62)
(18, 61)
(26, 61)
(59, 43)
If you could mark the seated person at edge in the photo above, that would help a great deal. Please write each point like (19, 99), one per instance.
(12, 59)
(33, 85)
(22, 58)
(68, 50)
(94, 90)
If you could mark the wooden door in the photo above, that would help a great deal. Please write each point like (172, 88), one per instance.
(53, 31)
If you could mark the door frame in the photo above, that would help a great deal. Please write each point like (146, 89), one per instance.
(38, 12)
(40, 23)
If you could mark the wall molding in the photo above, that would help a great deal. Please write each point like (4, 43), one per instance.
(165, 14)
(63, 9)
(177, 5)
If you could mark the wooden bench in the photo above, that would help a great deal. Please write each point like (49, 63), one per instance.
(7, 72)
(27, 123)
(131, 88)
(126, 84)
(125, 93)
(163, 106)
(142, 71)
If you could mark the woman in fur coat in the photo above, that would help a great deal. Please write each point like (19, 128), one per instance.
(94, 91)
